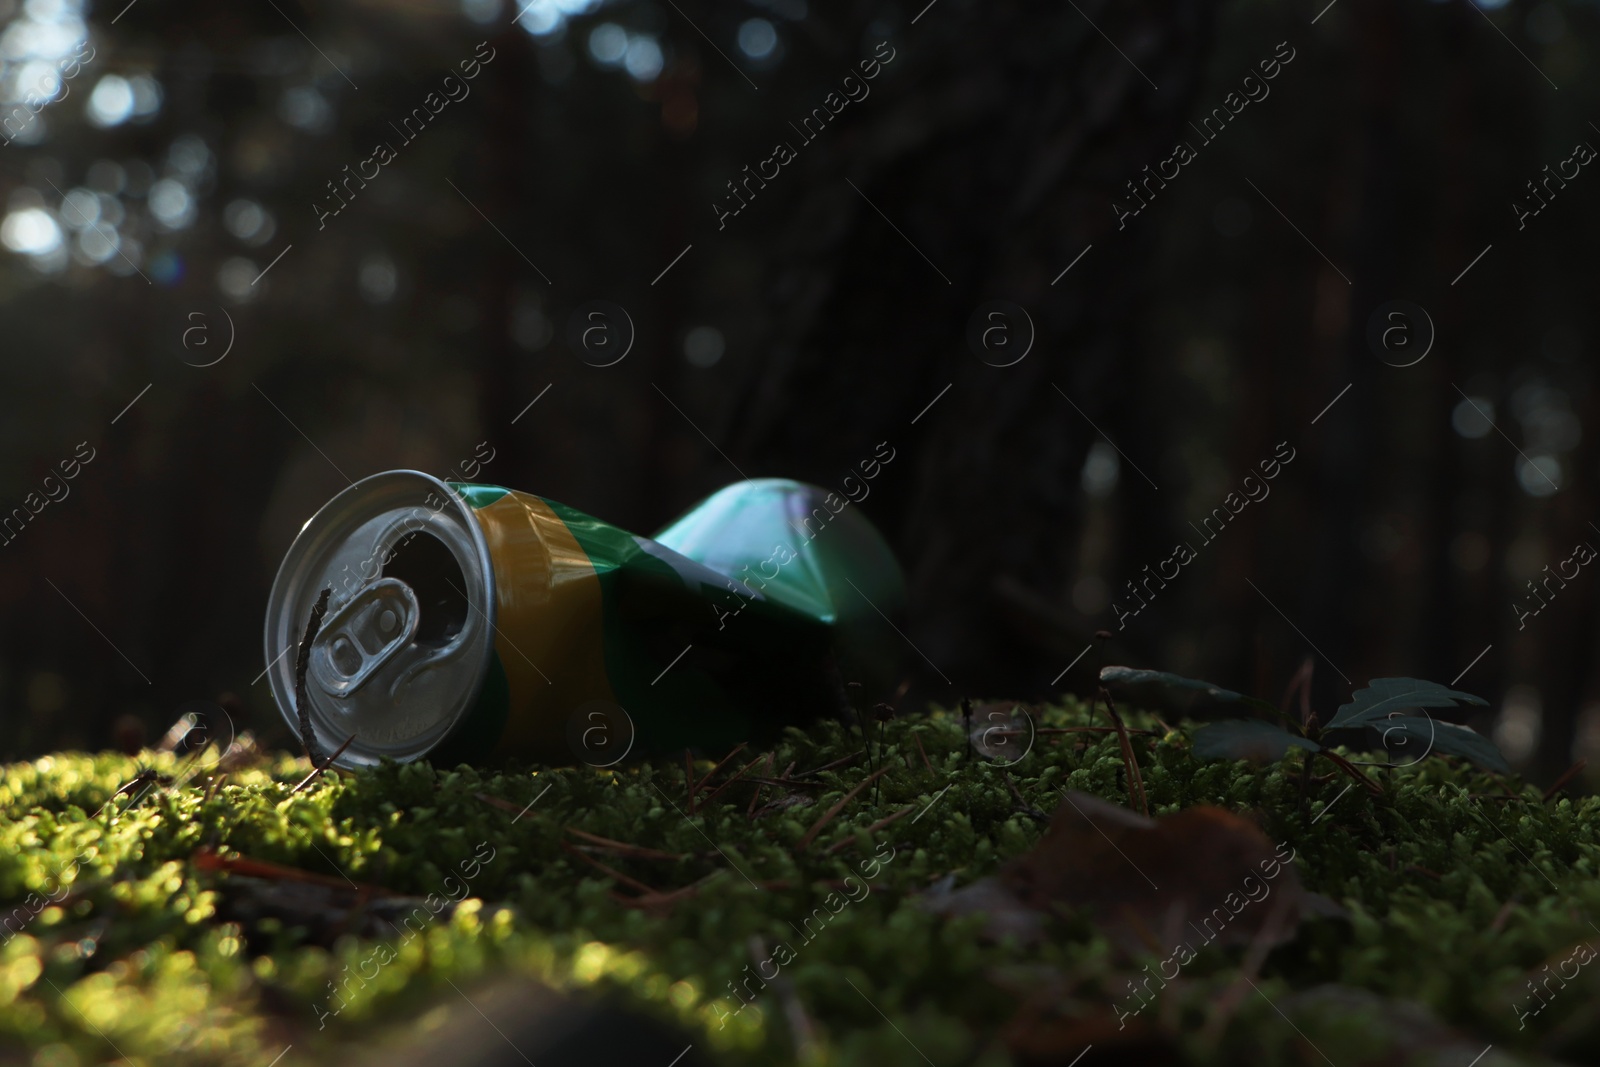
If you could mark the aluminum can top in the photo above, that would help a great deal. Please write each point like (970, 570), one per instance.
(409, 632)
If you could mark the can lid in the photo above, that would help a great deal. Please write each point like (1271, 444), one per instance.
(409, 632)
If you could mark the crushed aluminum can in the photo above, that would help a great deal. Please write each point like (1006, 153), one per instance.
(473, 623)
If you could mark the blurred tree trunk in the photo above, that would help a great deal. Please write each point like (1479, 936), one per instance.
(998, 143)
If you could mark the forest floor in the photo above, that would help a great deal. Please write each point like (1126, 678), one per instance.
(834, 899)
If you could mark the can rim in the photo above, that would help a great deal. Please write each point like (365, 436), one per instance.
(281, 670)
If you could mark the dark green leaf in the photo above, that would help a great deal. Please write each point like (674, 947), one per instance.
(1385, 696)
(1409, 738)
(1134, 676)
(1247, 739)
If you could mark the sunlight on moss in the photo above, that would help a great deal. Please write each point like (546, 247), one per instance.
(178, 965)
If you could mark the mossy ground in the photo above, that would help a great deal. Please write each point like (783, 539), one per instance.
(1456, 896)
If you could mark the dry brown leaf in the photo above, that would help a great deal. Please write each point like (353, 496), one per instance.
(1200, 875)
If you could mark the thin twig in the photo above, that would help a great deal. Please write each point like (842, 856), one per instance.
(503, 805)
(1353, 771)
(1503, 914)
(207, 859)
(624, 848)
(750, 812)
(1022, 804)
(736, 776)
(884, 713)
(632, 883)
(720, 763)
(1560, 783)
(827, 816)
(921, 751)
(317, 770)
(1135, 779)
(843, 761)
(659, 900)
(1305, 788)
(874, 828)
(1100, 637)
(688, 776)
(1301, 683)
(302, 663)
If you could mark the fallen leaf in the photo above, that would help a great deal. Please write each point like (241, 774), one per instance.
(1200, 876)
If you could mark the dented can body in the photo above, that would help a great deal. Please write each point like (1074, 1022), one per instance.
(473, 623)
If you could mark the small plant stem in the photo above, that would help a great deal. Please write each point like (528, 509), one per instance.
(1136, 794)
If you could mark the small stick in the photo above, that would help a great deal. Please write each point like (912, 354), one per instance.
(688, 774)
(308, 779)
(1503, 914)
(1301, 684)
(301, 664)
(672, 896)
(704, 781)
(874, 828)
(827, 816)
(1101, 637)
(1355, 772)
(623, 847)
(825, 767)
(750, 812)
(632, 883)
(709, 797)
(922, 751)
(207, 859)
(503, 805)
(1560, 783)
(1022, 804)
(1135, 779)
(215, 784)
(883, 713)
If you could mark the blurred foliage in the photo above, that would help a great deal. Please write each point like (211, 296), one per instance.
(190, 153)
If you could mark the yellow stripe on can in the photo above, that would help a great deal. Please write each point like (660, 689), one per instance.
(550, 611)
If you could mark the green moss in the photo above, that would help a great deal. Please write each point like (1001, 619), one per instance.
(1453, 901)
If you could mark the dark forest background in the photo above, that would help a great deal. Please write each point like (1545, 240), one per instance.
(189, 155)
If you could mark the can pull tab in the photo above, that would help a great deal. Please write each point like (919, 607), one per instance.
(362, 635)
